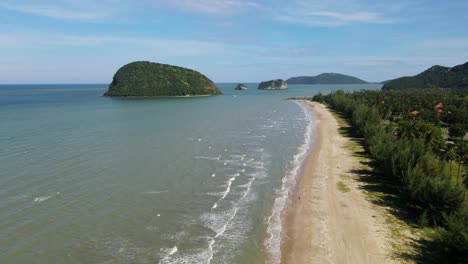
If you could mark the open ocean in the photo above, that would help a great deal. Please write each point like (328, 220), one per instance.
(90, 179)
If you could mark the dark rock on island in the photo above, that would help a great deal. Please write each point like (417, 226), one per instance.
(434, 77)
(143, 78)
(273, 85)
(241, 86)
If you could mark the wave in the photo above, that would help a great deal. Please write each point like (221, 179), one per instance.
(42, 199)
(173, 251)
(218, 222)
(207, 158)
(274, 228)
(156, 192)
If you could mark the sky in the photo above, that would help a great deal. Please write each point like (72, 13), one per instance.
(86, 41)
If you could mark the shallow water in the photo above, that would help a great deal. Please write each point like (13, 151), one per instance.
(89, 179)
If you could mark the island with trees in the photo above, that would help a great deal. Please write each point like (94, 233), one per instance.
(148, 79)
(277, 84)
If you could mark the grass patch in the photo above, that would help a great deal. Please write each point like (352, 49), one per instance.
(339, 118)
(342, 187)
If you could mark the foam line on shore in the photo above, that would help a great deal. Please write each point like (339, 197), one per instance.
(274, 222)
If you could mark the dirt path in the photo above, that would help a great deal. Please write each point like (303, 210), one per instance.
(329, 220)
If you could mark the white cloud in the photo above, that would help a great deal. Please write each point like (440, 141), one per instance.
(331, 13)
(217, 7)
(160, 46)
(57, 12)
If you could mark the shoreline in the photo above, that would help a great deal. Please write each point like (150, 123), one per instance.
(327, 218)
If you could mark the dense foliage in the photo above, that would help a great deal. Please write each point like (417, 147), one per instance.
(435, 77)
(273, 85)
(402, 131)
(153, 79)
(326, 78)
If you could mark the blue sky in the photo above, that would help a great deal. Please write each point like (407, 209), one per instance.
(86, 41)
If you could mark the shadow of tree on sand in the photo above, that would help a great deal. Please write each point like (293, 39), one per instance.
(386, 193)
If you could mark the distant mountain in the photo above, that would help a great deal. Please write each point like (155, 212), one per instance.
(326, 78)
(434, 77)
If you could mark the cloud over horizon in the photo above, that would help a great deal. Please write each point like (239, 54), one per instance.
(372, 40)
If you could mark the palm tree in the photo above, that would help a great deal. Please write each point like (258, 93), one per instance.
(465, 180)
(462, 155)
(449, 154)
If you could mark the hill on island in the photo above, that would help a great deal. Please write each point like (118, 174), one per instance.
(143, 78)
(277, 84)
(326, 78)
(435, 77)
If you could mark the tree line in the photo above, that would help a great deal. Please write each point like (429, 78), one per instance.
(403, 134)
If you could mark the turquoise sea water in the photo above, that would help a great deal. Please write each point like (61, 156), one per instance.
(89, 179)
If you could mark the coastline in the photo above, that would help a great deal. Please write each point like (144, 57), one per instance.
(327, 218)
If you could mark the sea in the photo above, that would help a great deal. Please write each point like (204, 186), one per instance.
(91, 179)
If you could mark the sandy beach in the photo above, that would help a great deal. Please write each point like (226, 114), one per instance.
(329, 219)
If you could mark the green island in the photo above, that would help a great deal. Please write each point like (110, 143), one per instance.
(326, 78)
(148, 79)
(437, 76)
(413, 154)
(277, 84)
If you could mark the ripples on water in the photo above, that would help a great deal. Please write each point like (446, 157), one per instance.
(87, 179)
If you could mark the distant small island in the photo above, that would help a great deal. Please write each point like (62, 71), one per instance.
(435, 77)
(241, 86)
(278, 84)
(149, 79)
(326, 78)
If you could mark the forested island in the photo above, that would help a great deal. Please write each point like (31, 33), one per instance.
(435, 77)
(415, 141)
(326, 78)
(143, 78)
(277, 84)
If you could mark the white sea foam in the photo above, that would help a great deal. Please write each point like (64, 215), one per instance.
(228, 188)
(210, 250)
(173, 251)
(166, 254)
(219, 223)
(260, 136)
(156, 192)
(207, 158)
(223, 228)
(274, 228)
(248, 185)
(42, 199)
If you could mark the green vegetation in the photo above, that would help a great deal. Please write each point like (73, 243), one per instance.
(326, 78)
(342, 187)
(144, 78)
(403, 136)
(435, 77)
(273, 85)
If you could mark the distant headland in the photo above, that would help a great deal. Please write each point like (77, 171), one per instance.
(435, 77)
(273, 85)
(326, 78)
(149, 79)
